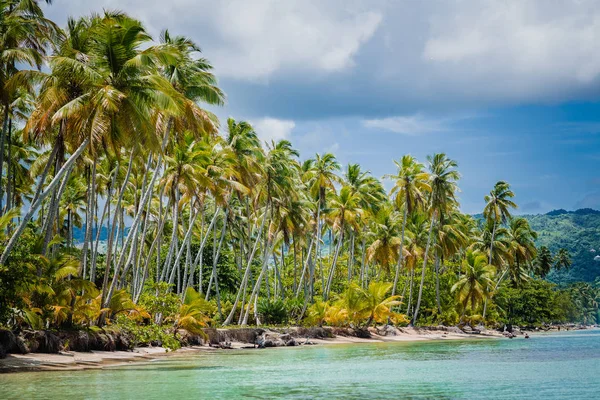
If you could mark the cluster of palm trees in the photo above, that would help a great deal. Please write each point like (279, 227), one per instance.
(113, 138)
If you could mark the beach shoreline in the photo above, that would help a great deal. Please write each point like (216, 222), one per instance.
(78, 360)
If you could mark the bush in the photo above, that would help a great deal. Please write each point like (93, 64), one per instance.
(147, 335)
(272, 312)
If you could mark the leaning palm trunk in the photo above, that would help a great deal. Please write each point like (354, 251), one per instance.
(89, 217)
(53, 211)
(363, 262)
(437, 283)
(186, 239)
(490, 263)
(167, 265)
(400, 255)
(416, 315)
(109, 254)
(215, 275)
(333, 264)
(198, 258)
(306, 267)
(351, 258)
(410, 292)
(258, 283)
(242, 287)
(34, 206)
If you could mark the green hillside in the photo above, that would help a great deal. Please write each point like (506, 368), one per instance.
(577, 231)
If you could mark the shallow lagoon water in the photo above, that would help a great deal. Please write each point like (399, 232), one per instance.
(550, 366)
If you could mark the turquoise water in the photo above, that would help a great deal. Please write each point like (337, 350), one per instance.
(548, 366)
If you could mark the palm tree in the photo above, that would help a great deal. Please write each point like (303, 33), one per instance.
(562, 259)
(522, 248)
(497, 209)
(385, 236)
(25, 35)
(442, 198)
(410, 187)
(473, 286)
(543, 261)
(321, 176)
(344, 210)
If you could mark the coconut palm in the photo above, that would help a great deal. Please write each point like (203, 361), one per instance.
(543, 261)
(497, 209)
(473, 286)
(410, 187)
(442, 199)
(523, 250)
(562, 259)
(343, 210)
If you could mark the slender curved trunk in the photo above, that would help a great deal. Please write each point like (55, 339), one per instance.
(490, 263)
(334, 263)
(437, 283)
(410, 292)
(401, 254)
(215, 275)
(89, 219)
(34, 206)
(4, 129)
(257, 285)
(416, 315)
(363, 262)
(109, 251)
(351, 258)
(246, 273)
(306, 266)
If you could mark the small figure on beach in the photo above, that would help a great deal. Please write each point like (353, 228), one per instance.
(526, 336)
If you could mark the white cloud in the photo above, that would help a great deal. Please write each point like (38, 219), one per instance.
(263, 37)
(417, 124)
(523, 49)
(254, 39)
(272, 129)
(404, 56)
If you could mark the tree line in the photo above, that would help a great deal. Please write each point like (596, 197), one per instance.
(204, 223)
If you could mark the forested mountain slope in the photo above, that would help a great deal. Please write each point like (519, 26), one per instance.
(577, 231)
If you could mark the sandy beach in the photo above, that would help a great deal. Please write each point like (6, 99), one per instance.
(74, 360)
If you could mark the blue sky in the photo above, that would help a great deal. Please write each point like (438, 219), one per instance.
(510, 89)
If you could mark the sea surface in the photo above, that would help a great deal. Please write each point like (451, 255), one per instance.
(563, 365)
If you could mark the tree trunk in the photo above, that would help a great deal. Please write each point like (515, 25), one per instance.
(333, 263)
(34, 206)
(105, 290)
(437, 283)
(247, 272)
(424, 268)
(400, 255)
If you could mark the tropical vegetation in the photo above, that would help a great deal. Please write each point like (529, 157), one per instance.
(187, 223)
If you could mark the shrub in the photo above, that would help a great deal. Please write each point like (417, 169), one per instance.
(272, 312)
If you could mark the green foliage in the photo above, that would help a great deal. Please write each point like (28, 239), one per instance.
(536, 302)
(144, 335)
(158, 299)
(272, 312)
(578, 232)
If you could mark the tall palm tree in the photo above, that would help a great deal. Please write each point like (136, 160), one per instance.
(543, 261)
(497, 209)
(442, 199)
(522, 248)
(410, 187)
(321, 176)
(344, 210)
(25, 35)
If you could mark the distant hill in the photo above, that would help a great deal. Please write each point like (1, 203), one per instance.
(577, 231)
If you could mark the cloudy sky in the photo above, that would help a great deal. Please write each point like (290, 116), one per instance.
(510, 89)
